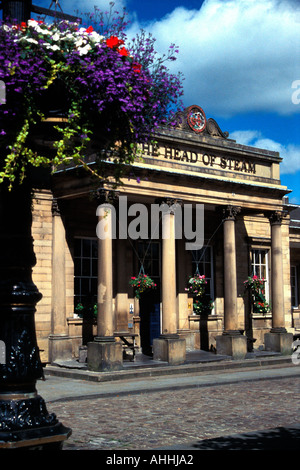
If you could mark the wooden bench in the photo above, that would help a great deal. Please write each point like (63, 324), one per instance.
(127, 344)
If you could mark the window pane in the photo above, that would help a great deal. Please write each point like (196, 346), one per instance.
(260, 268)
(263, 273)
(95, 268)
(94, 249)
(203, 259)
(85, 270)
(77, 267)
(85, 287)
(77, 247)
(207, 270)
(86, 248)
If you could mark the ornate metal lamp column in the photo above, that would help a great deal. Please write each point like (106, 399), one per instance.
(231, 342)
(24, 420)
(16, 9)
(278, 339)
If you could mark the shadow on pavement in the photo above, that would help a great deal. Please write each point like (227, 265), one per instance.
(282, 438)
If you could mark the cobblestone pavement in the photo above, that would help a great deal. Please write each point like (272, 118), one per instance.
(157, 419)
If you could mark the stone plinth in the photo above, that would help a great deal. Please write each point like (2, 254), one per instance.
(279, 342)
(234, 345)
(171, 350)
(104, 355)
(60, 347)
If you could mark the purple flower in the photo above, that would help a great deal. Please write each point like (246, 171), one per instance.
(109, 95)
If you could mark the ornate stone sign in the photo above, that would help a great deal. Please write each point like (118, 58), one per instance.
(196, 118)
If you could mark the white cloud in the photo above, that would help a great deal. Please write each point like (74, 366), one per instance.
(236, 55)
(290, 153)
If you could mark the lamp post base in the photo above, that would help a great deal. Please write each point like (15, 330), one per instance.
(43, 438)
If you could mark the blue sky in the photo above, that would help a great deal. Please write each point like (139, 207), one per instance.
(240, 59)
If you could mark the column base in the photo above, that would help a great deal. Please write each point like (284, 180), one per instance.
(169, 348)
(104, 356)
(278, 340)
(40, 438)
(232, 344)
(60, 347)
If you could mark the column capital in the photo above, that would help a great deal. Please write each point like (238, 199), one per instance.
(230, 212)
(170, 202)
(106, 195)
(276, 217)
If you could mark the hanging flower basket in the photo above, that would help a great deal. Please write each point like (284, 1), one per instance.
(256, 287)
(196, 285)
(116, 94)
(141, 283)
(202, 304)
(87, 311)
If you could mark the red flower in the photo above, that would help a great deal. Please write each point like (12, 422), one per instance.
(90, 29)
(137, 68)
(124, 52)
(114, 42)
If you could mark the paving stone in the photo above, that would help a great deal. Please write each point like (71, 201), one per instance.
(168, 418)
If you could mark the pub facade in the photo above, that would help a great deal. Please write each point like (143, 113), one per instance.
(235, 225)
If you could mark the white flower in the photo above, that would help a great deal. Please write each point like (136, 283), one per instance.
(32, 23)
(33, 41)
(95, 37)
(55, 37)
(84, 50)
(43, 30)
(53, 48)
(79, 42)
(82, 31)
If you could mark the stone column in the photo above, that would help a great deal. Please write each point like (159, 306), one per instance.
(278, 339)
(169, 347)
(104, 353)
(60, 344)
(231, 343)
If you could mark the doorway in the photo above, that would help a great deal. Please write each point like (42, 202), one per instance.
(150, 302)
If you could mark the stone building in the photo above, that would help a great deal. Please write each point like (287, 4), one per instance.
(249, 229)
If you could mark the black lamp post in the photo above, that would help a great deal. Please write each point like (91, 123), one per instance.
(17, 9)
(24, 419)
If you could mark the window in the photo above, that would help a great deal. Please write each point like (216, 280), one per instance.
(260, 268)
(294, 286)
(149, 255)
(85, 270)
(203, 259)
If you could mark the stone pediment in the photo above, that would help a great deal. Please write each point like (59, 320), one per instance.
(193, 119)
